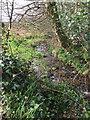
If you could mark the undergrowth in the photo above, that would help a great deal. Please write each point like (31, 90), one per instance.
(24, 95)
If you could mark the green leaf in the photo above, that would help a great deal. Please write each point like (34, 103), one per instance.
(3, 32)
(3, 25)
(86, 72)
(53, 68)
(17, 33)
(85, 56)
(87, 115)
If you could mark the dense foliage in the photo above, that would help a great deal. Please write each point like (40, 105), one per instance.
(74, 21)
(24, 95)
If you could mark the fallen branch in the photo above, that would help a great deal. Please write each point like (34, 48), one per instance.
(44, 86)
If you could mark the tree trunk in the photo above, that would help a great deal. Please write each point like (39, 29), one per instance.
(10, 15)
(53, 13)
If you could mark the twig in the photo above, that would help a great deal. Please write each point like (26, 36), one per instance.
(11, 50)
(44, 86)
(85, 82)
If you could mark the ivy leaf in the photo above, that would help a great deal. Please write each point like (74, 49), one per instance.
(17, 33)
(53, 68)
(3, 32)
(85, 56)
(86, 72)
(3, 25)
(87, 115)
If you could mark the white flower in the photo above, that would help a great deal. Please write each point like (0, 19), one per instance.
(26, 97)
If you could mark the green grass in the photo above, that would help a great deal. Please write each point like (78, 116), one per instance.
(26, 48)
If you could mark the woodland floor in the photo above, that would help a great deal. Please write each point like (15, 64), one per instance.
(53, 68)
(56, 70)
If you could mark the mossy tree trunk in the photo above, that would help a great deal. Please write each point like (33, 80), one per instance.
(53, 13)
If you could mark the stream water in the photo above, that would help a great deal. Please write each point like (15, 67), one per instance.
(56, 70)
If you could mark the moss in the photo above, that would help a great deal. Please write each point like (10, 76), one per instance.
(53, 13)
